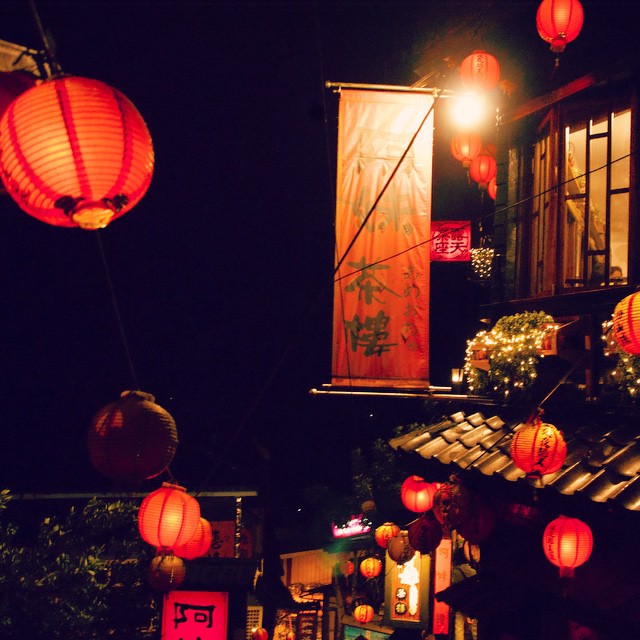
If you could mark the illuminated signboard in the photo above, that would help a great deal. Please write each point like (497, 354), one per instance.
(451, 241)
(195, 615)
(355, 526)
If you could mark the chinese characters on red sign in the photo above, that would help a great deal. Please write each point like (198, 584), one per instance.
(195, 615)
(451, 240)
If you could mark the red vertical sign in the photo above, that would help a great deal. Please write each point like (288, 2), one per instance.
(381, 290)
(441, 580)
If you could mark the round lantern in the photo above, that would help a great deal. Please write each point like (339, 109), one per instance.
(347, 568)
(483, 169)
(559, 22)
(480, 71)
(132, 439)
(567, 543)
(417, 494)
(465, 146)
(368, 508)
(538, 448)
(425, 533)
(363, 613)
(371, 567)
(166, 572)
(451, 504)
(199, 544)
(75, 152)
(492, 188)
(168, 517)
(400, 549)
(260, 634)
(626, 324)
(386, 532)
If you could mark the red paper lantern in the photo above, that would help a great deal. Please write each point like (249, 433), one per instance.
(132, 439)
(425, 534)
(400, 549)
(538, 448)
(626, 324)
(75, 152)
(559, 22)
(260, 634)
(347, 568)
(451, 504)
(166, 572)
(417, 494)
(168, 517)
(363, 613)
(480, 71)
(371, 567)
(483, 169)
(492, 188)
(386, 532)
(199, 544)
(465, 147)
(291, 635)
(567, 543)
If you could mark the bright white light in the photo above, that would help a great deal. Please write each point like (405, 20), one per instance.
(468, 110)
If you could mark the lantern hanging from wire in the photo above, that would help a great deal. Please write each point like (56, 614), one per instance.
(386, 532)
(199, 544)
(465, 146)
(260, 634)
(538, 448)
(400, 549)
(425, 533)
(451, 504)
(567, 543)
(483, 169)
(492, 188)
(625, 326)
(166, 572)
(480, 71)
(559, 22)
(363, 613)
(132, 439)
(75, 152)
(370, 567)
(417, 494)
(168, 517)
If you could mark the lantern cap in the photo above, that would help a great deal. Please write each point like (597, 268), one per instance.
(173, 485)
(136, 393)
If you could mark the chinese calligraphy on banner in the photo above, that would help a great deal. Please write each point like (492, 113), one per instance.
(195, 615)
(451, 240)
(381, 290)
(441, 580)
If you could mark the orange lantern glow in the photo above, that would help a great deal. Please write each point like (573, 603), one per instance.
(567, 543)
(492, 188)
(538, 448)
(480, 71)
(291, 635)
(465, 146)
(166, 572)
(483, 169)
(363, 613)
(132, 439)
(75, 152)
(386, 532)
(168, 517)
(199, 544)
(559, 22)
(371, 567)
(626, 324)
(417, 494)
(260, 634)
(347, 568)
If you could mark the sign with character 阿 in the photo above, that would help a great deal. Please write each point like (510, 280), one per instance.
(195, 615)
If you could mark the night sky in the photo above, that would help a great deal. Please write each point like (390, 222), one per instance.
(221, 275)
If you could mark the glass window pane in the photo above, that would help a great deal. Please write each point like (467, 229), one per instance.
(620, 149)
(619, 237)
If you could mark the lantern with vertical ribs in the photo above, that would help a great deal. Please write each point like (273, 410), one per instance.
(567, 543)
(480, 71)
(386, 532)
(483, 169)
(559, 22)
(626, 324)
(199, 544)
(538, 448)
(417, 494)
(370, 567)
(465, 146)
(75, 152)
(363, 613)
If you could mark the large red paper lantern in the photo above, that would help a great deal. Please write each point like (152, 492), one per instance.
(465, 146)
(363, 613)
(417, 494)
(168, 517)
(132, 439)
(626, 324)
(199, 544)
(480, 71)
(559, 22)
(567, 543)
(166, 572)
(386, 532)
(260, 634)
(538, 448)
(425, 533)
(75, 152)
(370, 567)
(483, 169)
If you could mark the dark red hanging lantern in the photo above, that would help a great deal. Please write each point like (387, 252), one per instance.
(483, 169)
(425, 533)
(400, 549)
(75, 152)
(199, 544)
(538, 448)
(363, 613)
(168, 517)
(132, 439)
(567, 543)
(166, 572)
(465, 146)
(559, 22)
(386, 532)
(451, 504)
(417, 494)
(370, 567)
(260, 634)
(480, 71)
